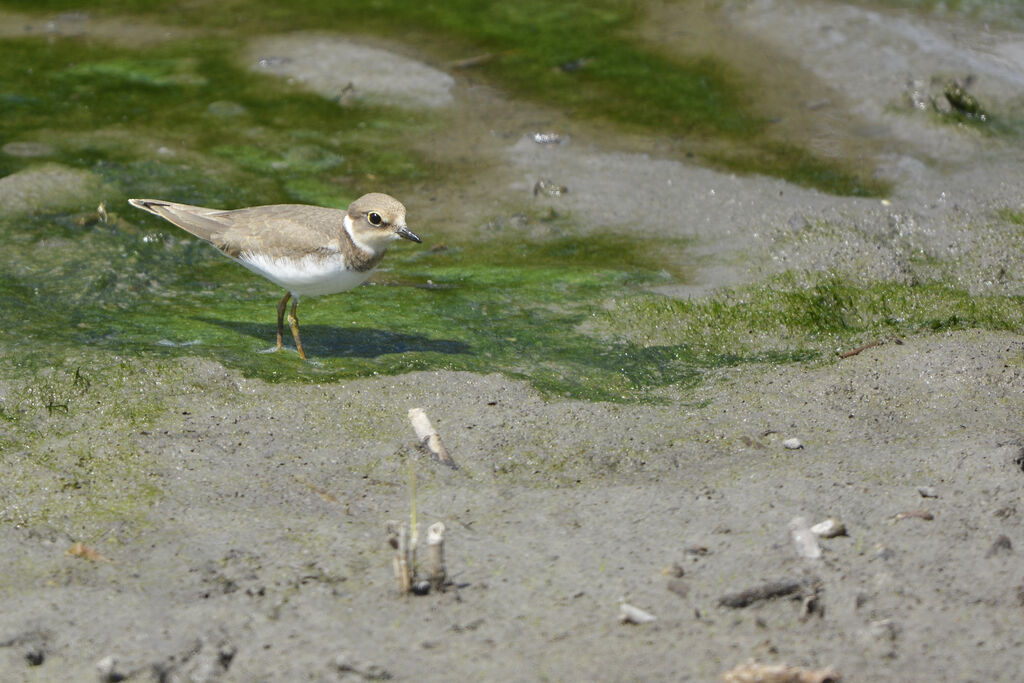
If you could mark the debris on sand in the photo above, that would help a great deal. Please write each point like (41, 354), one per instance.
(752, 672)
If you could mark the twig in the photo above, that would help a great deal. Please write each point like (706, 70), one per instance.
(865, 347)
(766, 591)
(918, 514)
(398, 538)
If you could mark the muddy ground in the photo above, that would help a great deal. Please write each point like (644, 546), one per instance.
(264, 556)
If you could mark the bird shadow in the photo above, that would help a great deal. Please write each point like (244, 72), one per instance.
(347, 342)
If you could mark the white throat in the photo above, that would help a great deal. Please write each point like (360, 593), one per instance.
(347, 223)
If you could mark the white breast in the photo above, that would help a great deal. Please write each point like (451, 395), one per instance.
(307, 276)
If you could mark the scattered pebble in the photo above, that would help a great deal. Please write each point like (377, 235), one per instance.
(550, 138)
(793, 444)
(804, 539)
(679, 587)
(830, 528)
(675, 570)
(928, 491)
(109, 670)
(883, 629)
(1001, 546)
(549, 188)
(371, 672)
(628, 614)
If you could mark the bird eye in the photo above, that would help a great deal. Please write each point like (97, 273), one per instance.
(374, 218)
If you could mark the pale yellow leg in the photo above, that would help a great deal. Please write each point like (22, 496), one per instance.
(281, 305)
(293, 320)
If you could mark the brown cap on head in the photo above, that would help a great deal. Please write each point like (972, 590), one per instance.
(382, 211)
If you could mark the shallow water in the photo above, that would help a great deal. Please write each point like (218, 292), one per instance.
(503, 288)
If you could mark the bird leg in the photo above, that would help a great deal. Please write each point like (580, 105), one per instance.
(281, 305)
(293, 320)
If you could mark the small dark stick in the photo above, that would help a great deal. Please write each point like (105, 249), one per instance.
(865, 347)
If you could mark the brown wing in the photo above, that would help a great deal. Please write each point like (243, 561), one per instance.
(294, 229)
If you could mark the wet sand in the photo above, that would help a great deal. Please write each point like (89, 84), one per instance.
(264, 556)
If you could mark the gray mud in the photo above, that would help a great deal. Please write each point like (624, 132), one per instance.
(263, 555)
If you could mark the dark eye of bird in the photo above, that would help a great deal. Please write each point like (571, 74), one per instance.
(374, 218)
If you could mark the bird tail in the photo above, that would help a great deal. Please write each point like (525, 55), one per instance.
(198, 220)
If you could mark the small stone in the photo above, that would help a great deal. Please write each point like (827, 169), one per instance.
(804, 539)
(109, 670)
(793, 444)
(549, 188)
(830, 528)
(928, 491)
(1001, 546)
(679, 587)
(883, 630)
(549, 138)
(634, 615)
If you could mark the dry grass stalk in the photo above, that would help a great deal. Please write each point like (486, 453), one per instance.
(436, 572)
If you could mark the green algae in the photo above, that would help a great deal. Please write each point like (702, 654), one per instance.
(804, 315)
(106, 108)
(574, 56)
(183, 120)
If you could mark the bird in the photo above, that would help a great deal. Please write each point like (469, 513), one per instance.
(307, 250)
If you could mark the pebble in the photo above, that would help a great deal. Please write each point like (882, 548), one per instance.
(548, 138)
(549, 188)
(793, 444)
(1001, 546)
(928, 491)
(830, 528)
(109, 670)
(679, 587)
(634, 615)
(804, 539)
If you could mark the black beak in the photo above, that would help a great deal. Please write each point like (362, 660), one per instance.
(407, 234)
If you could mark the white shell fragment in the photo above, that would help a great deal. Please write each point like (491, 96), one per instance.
(830, 528)
(793, 444)
(634, 615)
(428, 436)
(804, 539)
